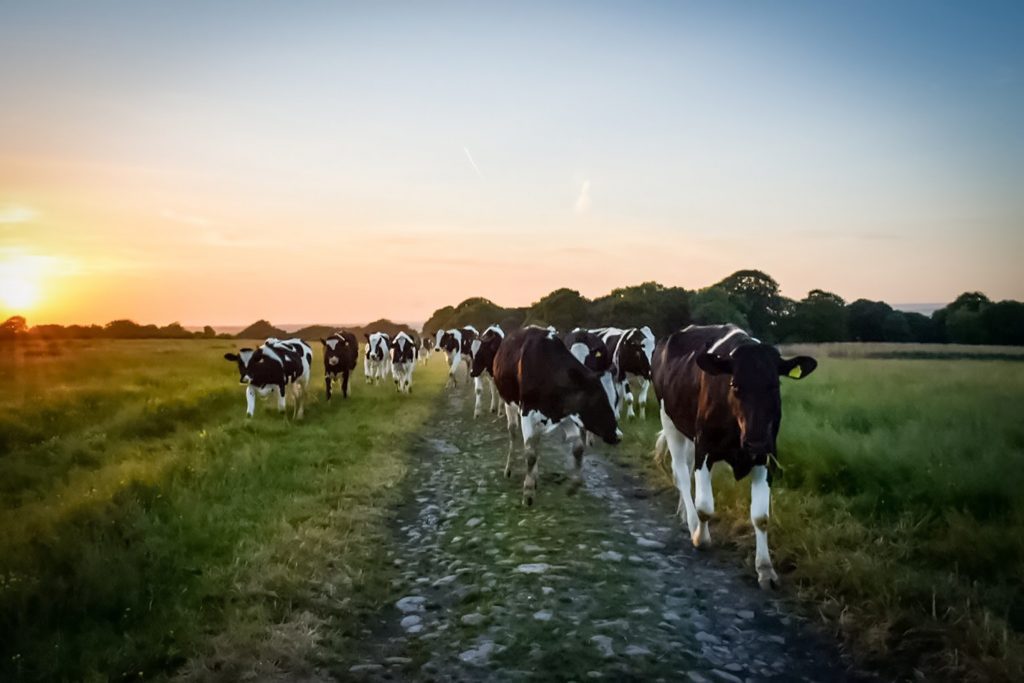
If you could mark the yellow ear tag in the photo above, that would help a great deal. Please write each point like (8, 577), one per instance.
(795, 372)
(597, 354)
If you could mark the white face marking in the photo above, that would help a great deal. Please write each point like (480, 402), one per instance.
(246, 356)
(579, 350)
(474, 346)
(332, 343)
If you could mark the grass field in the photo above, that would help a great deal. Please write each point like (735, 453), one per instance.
(899, 512)
(147, 527)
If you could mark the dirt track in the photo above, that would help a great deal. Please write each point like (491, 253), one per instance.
(598, 584)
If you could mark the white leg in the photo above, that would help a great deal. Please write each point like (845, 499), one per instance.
(645, 385)
(682, 451)
(628, 390)
(760, 495)
(705, 504)
(299, 394)
(250, 401)
(531, 425)
(366, 370)
(453, 367)
(478, 389)
(574, 435)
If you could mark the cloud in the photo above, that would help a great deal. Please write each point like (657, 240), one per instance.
(472, 163)
(187, 219)
(583, 200)
(15, 213)
(215, 238)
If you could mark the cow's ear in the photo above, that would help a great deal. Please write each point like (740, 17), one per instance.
(231, 357)
(323, 341)
(714, 365)
(797, 367)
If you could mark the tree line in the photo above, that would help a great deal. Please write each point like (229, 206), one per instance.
(751, 299)
(748, 298)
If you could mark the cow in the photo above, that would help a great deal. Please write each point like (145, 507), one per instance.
(547, 388)
(589, 349)
(631, 351)
(377, 360)
(403, 361)
(481, 368)
(457, 345)
(275, 365)
(341, 353)
(426, 347)
(718, 389)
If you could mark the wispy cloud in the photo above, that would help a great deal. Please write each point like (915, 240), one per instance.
(16, 213)
(186, 218)
(583, 200)
(215, 238)
(472, 163)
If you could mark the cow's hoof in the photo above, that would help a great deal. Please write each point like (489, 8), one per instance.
(701, 538)
(508, 472)
(528, 498)
(574, 485)
(767, 579)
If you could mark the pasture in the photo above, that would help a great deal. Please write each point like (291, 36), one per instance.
(148, 530)
(145, 524)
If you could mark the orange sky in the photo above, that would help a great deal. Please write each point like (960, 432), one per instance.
(370, 164)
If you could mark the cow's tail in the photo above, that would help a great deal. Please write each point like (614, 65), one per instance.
(662, 459)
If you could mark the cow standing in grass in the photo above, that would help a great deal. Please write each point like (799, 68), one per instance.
(341, 353)
(718, 388)
(548, 389)
(377, 360)
(482, 368)
(276, 366)
(631, 351)
(426, 347)
(457, 345)
(403, 361)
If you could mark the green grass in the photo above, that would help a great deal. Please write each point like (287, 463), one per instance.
(146, 525)
(899, 513)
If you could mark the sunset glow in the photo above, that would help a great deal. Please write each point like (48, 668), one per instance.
(337, 163)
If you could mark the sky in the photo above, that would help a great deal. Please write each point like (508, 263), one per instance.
(219, 162)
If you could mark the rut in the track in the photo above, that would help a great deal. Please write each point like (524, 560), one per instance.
(599, 584)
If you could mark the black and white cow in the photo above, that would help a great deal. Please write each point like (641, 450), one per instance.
(377, 359)
(341, 353)
(718, 388)
(276, 366)
(589, 349)
(426, 347)
(547, 388)
(457, 345)
(403, 361)
(482, 371)
(631, 351)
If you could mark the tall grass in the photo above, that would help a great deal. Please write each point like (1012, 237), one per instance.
(899, 508)
(141, 514)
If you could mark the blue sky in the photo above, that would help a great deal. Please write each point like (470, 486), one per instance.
(430, 152)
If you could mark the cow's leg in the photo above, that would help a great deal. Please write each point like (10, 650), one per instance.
(760, 495)
(344, 384)
(478, 390)
(531, 424)
(682, 451)
(366, 371)
(645, 385)
(574, 435)
(250, 400)
(705, 502)
(328, 381)
(453, 367)
(299, 393)
(627, 389)
(511, 415)
(281, 401)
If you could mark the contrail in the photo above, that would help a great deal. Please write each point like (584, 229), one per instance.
(472, 163)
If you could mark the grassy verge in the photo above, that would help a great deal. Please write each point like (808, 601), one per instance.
(898, 516)
(147, 527)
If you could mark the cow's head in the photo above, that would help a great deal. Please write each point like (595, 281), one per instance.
(402, 349)
(242, 359)
(338, 348)
(754, 398)
(449, 341)
(377, 345)
(484, 349)
(589, 399)
(256, 366)
(633, 353)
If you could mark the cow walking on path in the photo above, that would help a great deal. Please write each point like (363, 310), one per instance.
(341, 353)
(718, 389)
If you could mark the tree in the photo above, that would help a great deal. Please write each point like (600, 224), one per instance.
(209, 332)
(756, 295)
(713, 306)
(663, 309)
(1004, 322)
(867, 320)
(820, 317)
(964, 326)
(564, 308)
(13, 327)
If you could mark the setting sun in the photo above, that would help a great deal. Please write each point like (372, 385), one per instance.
(19, 283)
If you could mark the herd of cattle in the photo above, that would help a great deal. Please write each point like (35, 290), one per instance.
(717, 388)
